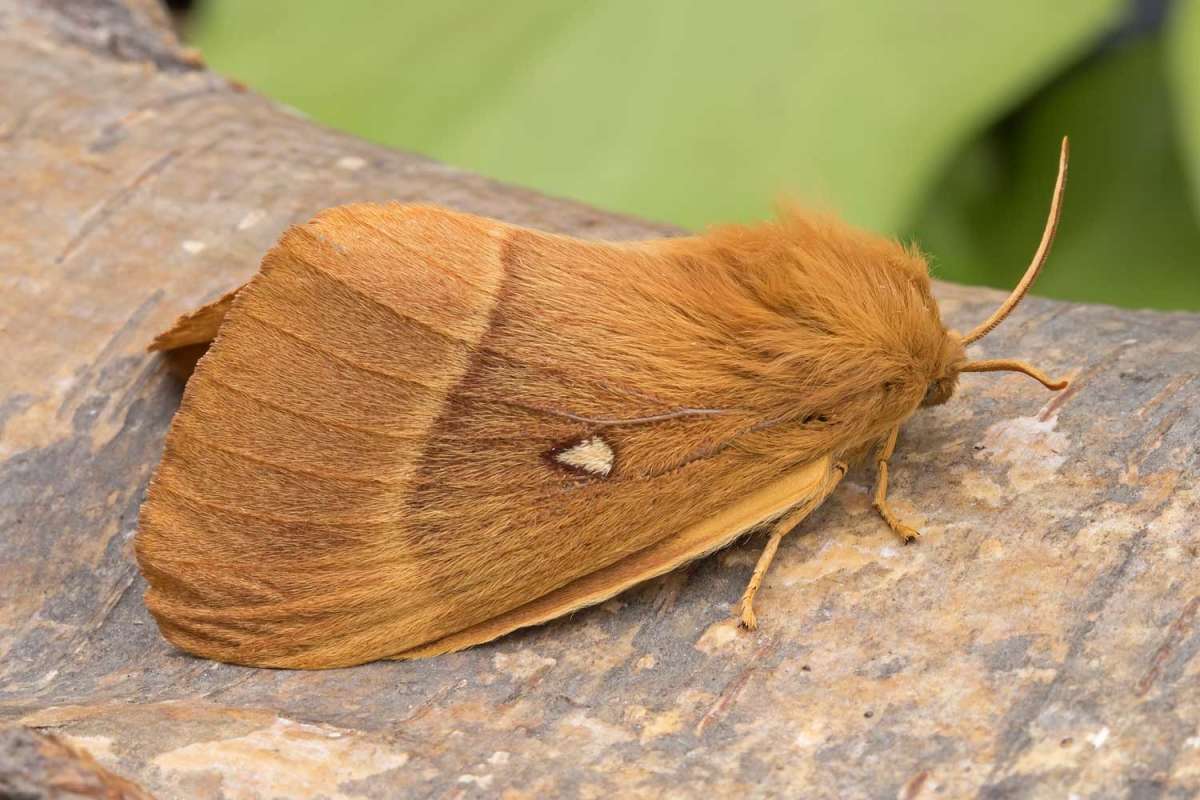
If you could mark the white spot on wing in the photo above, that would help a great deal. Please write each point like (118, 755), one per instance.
(592, 455)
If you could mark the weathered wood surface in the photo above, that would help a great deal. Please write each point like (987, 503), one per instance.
(40, 766)
(1039, 641)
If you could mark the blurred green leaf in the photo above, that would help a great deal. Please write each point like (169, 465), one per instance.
(1183, 62)
(1127, 237)
(683, 111)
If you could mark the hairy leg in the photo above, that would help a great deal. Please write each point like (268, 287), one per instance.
(905, 533)
(783, 526)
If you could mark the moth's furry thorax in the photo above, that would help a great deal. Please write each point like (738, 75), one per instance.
(821, 322)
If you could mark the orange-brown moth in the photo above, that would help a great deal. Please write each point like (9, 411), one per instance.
(416, 430)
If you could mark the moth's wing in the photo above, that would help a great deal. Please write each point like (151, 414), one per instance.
(588, 343)
(267, 530)
(197, 327)
(187, 340)
(806, 488)
(372, 457)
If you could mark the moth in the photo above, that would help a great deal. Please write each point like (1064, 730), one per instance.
(415, 430)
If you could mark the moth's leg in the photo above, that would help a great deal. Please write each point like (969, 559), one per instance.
(905, 533)
(784, 526)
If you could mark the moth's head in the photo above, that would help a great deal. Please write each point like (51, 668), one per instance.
(953, 360)
(945, 374)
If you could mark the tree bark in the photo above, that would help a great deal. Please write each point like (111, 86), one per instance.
(1039, 640)
(40, 766)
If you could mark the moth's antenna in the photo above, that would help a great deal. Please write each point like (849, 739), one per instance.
(1005, 365)
(1039, 258)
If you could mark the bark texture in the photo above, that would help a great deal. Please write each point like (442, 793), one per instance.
(40, 766)
(1040, 641)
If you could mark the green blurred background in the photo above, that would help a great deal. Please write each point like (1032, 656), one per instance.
(931, 120)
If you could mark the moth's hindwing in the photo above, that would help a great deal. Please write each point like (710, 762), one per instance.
(415, 424)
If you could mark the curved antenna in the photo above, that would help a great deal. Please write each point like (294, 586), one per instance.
(1039, 258)
(1007, 365)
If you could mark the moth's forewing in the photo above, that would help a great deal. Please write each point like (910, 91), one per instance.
(805, 487)
(381, 448)
(197, 327)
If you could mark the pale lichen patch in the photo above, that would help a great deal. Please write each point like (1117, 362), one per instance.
(522, 664)
(718, 636)
(99, 747)
(1099, 737)
(659, 725)
(647, 661)
(1031, 448)
(251, 218)
(293, 759)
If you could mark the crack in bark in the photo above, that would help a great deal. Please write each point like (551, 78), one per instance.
(101, 213)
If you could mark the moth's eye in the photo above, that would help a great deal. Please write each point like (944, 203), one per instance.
(938, 392)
